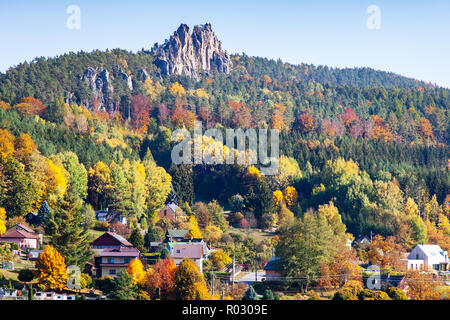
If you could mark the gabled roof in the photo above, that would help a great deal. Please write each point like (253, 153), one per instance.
(18, 234)
(176, 233)
(176, 209)
(114, 236)
(187, 250)
(432, 250)
(120, 252)
(21, 226)
(273, 264)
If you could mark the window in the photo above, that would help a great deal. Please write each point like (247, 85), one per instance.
(110, 260)
(417, 256)
(112, 271)
(127, 260)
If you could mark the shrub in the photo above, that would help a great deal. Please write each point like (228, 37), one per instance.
(396, 293)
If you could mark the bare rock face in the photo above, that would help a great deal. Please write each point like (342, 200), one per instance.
(100, 84)
(192, 54)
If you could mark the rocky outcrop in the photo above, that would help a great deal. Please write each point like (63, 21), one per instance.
(192, 54)
(100, 85)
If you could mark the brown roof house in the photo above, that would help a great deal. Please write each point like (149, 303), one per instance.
(171, 212)
(24, 237)
(110, 240)
(112, 253)
(110, 261)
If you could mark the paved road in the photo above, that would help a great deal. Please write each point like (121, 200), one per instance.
(249, 277)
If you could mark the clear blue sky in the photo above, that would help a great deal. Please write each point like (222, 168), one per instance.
(414, 39)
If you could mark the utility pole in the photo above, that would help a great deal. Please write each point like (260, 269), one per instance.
(256, 270)
(232, 274)
(223, 293)
(212, 283)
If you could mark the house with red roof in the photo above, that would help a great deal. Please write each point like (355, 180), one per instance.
(24, 237)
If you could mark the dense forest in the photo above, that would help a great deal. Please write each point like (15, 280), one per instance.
(372, 145)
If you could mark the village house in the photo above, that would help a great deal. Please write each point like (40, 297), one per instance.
(110, 216)
(110, 240)
(24, 237)
(110, 261)
(172, 212)
(273, 269)
(175, 235)
(193, 251)
(428, 257)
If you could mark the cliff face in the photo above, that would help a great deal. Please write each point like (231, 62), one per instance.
(192, 54)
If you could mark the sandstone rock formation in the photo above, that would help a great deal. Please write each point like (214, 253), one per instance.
(191, 55)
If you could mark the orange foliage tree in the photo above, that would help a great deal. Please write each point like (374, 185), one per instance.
(161, 276)
(140, 112)
(305, 122)
(182, 117)
(51, 269)
(31, 106)
(24, 146)
(381, 129)
(423, 286)
(242, 116)
(426, 129)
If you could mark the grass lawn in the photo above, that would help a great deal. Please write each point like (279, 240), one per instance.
(252, 233)
(94, 234)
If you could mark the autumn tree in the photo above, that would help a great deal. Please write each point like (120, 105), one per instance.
(183, 118)
(136, 270)
(423, 286)
(99, 185)
(160, 279)
(158, 185)
(51, 269)
(305, 122)
(189, 283)
(24, 147)
(2, 221)
(31, 106)
(141, 108)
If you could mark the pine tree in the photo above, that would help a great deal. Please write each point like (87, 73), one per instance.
(44, 212)
(67, 233)
(137, 240)
(123, 286)
(250, 294)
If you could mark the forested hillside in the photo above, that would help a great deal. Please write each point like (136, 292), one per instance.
(98, 125)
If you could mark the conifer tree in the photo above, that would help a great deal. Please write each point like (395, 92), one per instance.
(67, 233)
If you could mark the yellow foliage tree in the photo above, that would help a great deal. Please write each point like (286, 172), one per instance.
(220, 259)
(24, 146)
(194, 229)
(6, 144)
(2, 221)
(177, 89)
(277, 198)
(290, 196)
(153, 88)
(136, 270)
(52, 269)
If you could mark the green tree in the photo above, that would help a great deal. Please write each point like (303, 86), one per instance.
(123, 287)
(137, 240)
(67, 233)
(250, 294)
(78, 175)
